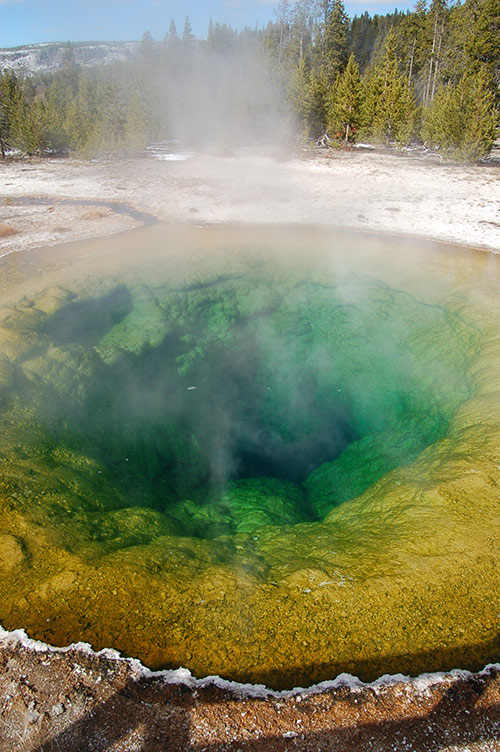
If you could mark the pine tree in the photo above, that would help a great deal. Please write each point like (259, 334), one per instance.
(461, 121)
(345, 106)
(37, 127)
(9, 95)
(18, 121)
(301, 32)
(147, 46)
(221, 38)
(437, 17)
(411, 40)
(483, 115)
(82, 117)
(362, 39)
(372, 93)
(4, 126)
(483, 44)
(187, 35)
(28, 122)
(282, 12)
(109, 136)
(299, 94)
(454, 59)
(69, 72)
(56, 110)
(332, 44)
(60, 102)
(389, 109)
(317, 102)
(172, 35)
(170, 50)
(135, 124)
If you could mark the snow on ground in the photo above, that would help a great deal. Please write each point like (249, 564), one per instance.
(363, 190)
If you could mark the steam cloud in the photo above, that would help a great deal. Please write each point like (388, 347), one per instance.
(229, 97)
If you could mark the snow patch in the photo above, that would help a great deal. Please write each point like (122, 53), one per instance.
(48, 56)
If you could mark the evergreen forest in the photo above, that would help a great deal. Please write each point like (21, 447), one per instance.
(429, 76)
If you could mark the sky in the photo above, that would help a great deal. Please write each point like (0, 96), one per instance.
(30, 21)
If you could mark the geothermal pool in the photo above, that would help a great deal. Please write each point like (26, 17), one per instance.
(271, 455)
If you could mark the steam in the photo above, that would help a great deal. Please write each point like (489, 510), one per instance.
(218, 97)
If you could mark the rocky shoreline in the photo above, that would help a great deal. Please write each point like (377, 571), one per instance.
(75, 699)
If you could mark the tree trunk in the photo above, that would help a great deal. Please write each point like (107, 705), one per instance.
(436, 64)
(412, 57)
(431, 61)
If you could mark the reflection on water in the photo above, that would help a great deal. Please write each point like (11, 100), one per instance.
(263, 455)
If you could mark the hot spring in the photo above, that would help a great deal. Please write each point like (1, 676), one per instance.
(269, 455)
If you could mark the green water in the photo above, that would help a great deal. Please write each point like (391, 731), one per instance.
(272, 458)
(240, 403)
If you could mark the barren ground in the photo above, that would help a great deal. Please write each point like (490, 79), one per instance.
(369, 191)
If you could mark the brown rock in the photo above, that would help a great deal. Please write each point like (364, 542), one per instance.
(73, 700)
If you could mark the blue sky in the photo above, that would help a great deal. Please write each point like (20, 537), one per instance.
(28, 21)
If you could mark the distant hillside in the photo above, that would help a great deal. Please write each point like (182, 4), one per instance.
(42, 58)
